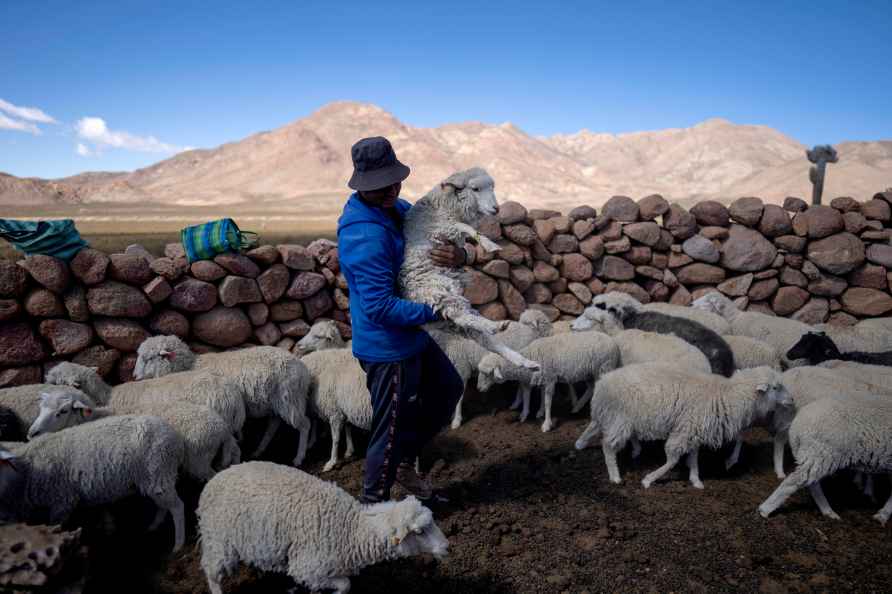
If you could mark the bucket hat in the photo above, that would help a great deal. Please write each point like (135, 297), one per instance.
(375, 165)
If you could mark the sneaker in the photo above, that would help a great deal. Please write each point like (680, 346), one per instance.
(413, 482)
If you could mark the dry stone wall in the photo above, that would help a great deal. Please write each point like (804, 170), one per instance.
(817, 264)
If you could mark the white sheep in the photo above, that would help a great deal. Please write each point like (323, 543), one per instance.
(637, 346)
(95, 464)
(205, 388)
(713, 321)
(832, 434)
(447, 214)
(206, 436)
(23, 405)
(323, 334)
(751, 352)
(273, 382)
(282, 520)
(864, 336)
(880, 375)
(781, 333)
(466, 354)
(567, 358)
(689, 410)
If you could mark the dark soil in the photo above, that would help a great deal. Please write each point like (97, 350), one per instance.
(528, 513)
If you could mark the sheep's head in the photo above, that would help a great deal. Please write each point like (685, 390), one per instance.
(607, 312)
(469, 194)
(61, 409)
(76, 376)
(323, 335)
(489, 372)
(410, 527)
(538, 321)
(770, 389)
(817, 347)
(714, 302)
(158, 356)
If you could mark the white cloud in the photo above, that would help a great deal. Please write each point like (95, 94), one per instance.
(95, 130)
(11, 124)
(83, 150)
(32, 114)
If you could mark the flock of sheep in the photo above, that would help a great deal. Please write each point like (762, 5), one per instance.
(692, 376)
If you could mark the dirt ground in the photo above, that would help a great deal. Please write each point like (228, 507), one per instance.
(528, 513)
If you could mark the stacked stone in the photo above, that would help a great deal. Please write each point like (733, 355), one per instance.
(99, 308)
(816, 264)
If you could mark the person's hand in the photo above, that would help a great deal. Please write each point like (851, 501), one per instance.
(448, 255)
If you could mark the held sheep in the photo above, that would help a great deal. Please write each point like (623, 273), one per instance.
(448, 213)
(781, 333)
(817, 347)
(205, 388)
(290, 522)
(95, 464)
(273, 383)
(833, 434)
(206, 436)
(620, 311)
(651, 401)
(566, 358)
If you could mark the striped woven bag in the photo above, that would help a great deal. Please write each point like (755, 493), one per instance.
(59, 238)
(203, 242)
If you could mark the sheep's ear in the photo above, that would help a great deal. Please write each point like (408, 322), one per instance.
(454, 183)
(86, 411)
(94, 370)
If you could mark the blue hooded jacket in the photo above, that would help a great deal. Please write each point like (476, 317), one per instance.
(370, 251)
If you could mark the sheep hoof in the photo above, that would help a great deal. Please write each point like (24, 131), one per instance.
(781, 476)
(616, 481)
(579, 445)
(328, 466)
(456, 423)
(764, 512)
(547, 426)
(729, 464)
(697, 485)
(540, 414)
(880, 518)
(646, 484)
(832, 515)
(522, 418)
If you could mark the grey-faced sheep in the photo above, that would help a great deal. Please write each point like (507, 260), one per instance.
(205, 388)
(22, 404)
(832, 434)
(205, 434)
(282, 520)
(273, 382)
(323, 334)
(448, 213)
(653, 401)
(817, 347)
(95, 464)
(626, 312)
(567, 358)
(781, 333)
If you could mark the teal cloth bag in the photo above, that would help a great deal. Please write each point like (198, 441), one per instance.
(203, 242)
(53, 238)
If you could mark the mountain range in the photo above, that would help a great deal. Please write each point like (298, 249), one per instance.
(308, 161)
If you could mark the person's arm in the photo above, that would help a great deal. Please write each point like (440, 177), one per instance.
(367, 252)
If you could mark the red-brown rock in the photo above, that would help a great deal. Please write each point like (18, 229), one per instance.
(558, 286)
(647, 232)
(258, 313)
(20, 376)
(841, 318)
(90, 266)
(679, 222)
(699, 273)
(550, 311)
(222, 327)
(519, 234)
(268, 334)
(480, 288)
(512, 299)
(157, 289)
(317, 305)
(788, 299)
(592, 247)
(563, 243)
(677, 260)
(238, 289)
(747, 250)
(561, 224)
(13, 279)
(100, 357)
(854, 222)
(264, 254)
(510, 252)
(43, 303)
(793, 204)
(791, 276)
(174, 251)
(238, 265)
(116, 299)
(611, 232)
(827, 286)
(845, 204)
(295, 329)
(19, 345)
(700, 248)
(193, 296)
(9, 309)
(50, 272)
(870, 276)
(737, 286)
(681, 296)
(119, 333)
(489, 227)
(790, 243)
(285, 311)
(342, 301)
(129, 268)
(583, 228)
(576, 267)
(621, 208)
(618, 246)
(306, 284)
(568, 304)
(710, 213)
(297, 257)
(497, 268)
(650, 207)
(494, 311)
(544, 273)
(512, 212)
(775, 221)
(638, 255)
(614, 268)
(862, 301)
(876, 210)
(837, 254)
(544, 229)
(537, 293)
(818, 221)
(714, 232)
(583, 212)
(581, 292)
(521, 277)
(746, 211)
(630, 289)
(168, 268)
(880, 254)
(169, 322)
(208, 271)
(649, 272)
(813, 312)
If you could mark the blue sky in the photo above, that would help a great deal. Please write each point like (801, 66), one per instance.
(131, 82)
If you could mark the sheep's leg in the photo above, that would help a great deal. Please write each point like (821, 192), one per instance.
(478, 325)
(518, 399)
(795, 481)
(547, 397)
(485, 242)
(311, 441)
(590, 432)
(672, 458)
(340, 585)
(589, 390)
(868, 488)
(509, 355)
(636, 447)
(735, 454)
(336, 425)
(304, 427)
(525, 412)
(456, 417)
(882, 516)
(174, 505)
(272, 425)
(817, 493)
(348, 432)
(694, 467)
(574, 396)
(158, 519)
(780, 440)
(214, 585)
(610, 459)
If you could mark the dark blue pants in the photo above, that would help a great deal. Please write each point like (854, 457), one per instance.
(412, 400)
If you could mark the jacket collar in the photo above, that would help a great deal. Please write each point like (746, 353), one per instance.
(358, 211)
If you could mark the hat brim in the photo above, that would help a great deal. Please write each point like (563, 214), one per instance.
(376, 179)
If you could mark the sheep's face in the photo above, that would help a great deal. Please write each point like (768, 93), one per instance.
(413, 530)
(472, 194)
(159, 356)
(323, 335)
(772, 395)
(713, 302)
(538, 321)
(60, 410)
(817, 347)
(488, 374)
(71, 375)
